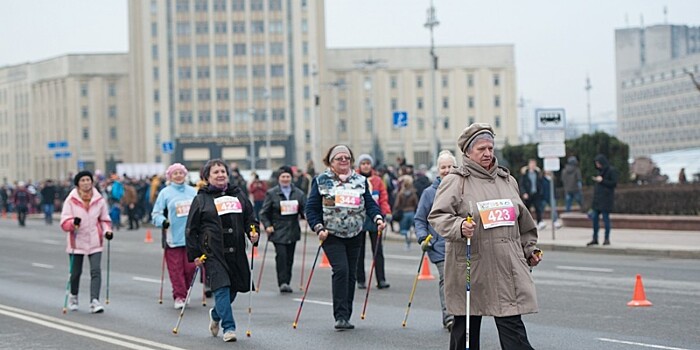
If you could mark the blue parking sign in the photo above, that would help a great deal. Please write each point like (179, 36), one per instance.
(167, 147)
(400, 119)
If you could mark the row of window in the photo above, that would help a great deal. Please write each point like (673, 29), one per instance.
(221, 72)
(445, 81)
(342, 103)
(222, 94)
(641, 125)
(659, 91)
(668, 105)
(659, 77)
(221, 5)
(111, 112)
(111, 89)
(222, 50)
(224, 116)
(183, 28)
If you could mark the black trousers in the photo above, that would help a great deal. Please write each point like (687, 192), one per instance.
(133, 221)
(343, 253)
(379, 264)
(284, 260)
(511, 333)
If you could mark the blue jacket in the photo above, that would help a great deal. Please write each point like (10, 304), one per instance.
(174, 197)
(437, 254)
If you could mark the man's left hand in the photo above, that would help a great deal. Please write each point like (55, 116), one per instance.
(381, 225)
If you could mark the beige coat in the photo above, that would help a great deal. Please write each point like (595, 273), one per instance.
(501, 284)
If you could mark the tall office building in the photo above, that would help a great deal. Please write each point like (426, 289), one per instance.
(233, 79)
(658, 103)
(366, 86)
(64, 114)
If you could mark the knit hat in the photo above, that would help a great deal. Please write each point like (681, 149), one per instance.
(572, 160)
(285, 169)
(471, 132)
(363, 157)
(80, 175)
(173, 168)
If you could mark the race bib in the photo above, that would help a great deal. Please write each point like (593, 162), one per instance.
(227, 205)
(289, 207)
(347, 198)
(496, 213)
(182, 208)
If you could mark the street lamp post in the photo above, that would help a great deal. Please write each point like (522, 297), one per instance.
(588, 88)
(430, 23)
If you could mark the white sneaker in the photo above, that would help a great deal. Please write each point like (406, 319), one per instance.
(96, 307)
(214, 325)
(229, 336)
(558, 224)
(179, 303)
(73, 302)
(541, 225)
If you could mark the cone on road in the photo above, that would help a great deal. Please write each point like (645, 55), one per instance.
(149, 237)
(639, 298)
(324, 261)
(425, 273)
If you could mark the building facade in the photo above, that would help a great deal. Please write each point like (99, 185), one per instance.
(63, 114)
(658, 103)
(366, 86)
(226, 78)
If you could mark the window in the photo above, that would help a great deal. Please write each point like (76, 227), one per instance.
(259, 115)
(275, 5)
(204, 117)
(257, 49)
(307, 92)
(497, 101)
(221, 72)
(84, 89)
(154, 29)
(238, 5)
(256, 5)
(222, 94)
(240, 71)
(185, 117)
(259, 93)
(203, 94)
(276, 49)
(219, 5)
(184, 73)
(203, 72)
(112, 111)
(470, 102)
(393, 82)
(182, 28)
(470, 80)
(277, 93)
(304, 26)
(258, 71)
(184, 51)
(307, 136)
(156, 118)
(497, 121)
(368, 104)
(155, 73)
(201, 28)
(445, 81)
(278, 114)
(472, 120)
(182, 6)
(445, 102)
(221, 50)
(305, 69)
(156, 95)
(112, 88)
(112, 133)
(84, 112)
(307, 114)
(223, 116)
(343, 125)
(202, 50)
(420, 122)
(419, 81)
(239, 49)
(275, 27)
(368, 124)
(496, 80)
(238, 27)
(342, 105)
(240, 94)
(154, 51)
(446, 123)
(220, 27)
(276, 70)
(86, 133)
(394, 104)
(257, 27)
(419, 103)
(200, 5)
(305, 48)
(185, 95)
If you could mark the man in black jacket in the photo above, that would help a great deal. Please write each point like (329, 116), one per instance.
(603, 197)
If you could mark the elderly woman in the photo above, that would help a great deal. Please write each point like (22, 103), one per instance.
(219, 221)
(503, 238)
(336, 209)
(174, 201)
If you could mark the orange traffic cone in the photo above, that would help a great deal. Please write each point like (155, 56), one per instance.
(149, 237)
(324, 261)
(639, 298)
(425, 273)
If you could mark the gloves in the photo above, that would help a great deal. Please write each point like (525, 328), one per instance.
(109, 235)
(76, 221)
(426, 245)
(166, 224)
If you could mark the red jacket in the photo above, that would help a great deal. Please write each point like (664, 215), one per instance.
(378, 190)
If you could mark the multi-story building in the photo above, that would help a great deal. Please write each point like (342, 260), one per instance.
(226, 78)
(65, 113)
(366, 86)
(658, 103)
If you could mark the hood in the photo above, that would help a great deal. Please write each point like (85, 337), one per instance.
(470, 167)
(523, 170)
(232, 190)
(602, 160)
(436, 183)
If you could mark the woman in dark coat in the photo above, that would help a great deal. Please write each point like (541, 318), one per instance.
(280, 213)
(218, 224)
(603, 197)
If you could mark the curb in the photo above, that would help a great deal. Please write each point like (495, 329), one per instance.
(661, 253)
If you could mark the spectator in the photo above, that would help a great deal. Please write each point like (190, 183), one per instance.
(531, 190)
(571, 178)
(603, 197)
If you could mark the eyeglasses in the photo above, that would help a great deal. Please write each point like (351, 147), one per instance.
(342, 159)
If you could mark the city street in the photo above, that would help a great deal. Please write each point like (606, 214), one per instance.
(582, 299)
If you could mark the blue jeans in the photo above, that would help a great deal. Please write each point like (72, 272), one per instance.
(573, 196)
(48, 213)
(223, 297)
(405, 225)
(596, 225)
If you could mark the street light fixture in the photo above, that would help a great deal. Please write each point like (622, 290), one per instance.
(431, 22)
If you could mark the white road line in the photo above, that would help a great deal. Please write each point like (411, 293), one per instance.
(43, 266)
(314, 302)
(581, 268)
(401, 257)
(144, 279)
(52, 242)
(640, 344)
(126, 341)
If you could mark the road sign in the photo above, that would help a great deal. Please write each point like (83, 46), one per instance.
(400, 119)
(551, 164)
(551, 150)
(81, 165)
(551, 136)
(550, 119)
(57, 144)
(62, 155)
(167, 147)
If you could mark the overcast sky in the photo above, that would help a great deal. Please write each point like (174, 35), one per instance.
(557, 42)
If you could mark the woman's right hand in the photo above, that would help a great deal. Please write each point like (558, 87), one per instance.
(198, 262)
(269, 230)
(322, 235)
(468, 229)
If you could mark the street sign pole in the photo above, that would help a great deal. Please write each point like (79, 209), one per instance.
(551, 126)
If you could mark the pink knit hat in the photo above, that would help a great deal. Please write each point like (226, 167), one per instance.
(172, 168)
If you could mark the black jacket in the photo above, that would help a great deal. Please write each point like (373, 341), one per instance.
(604, 191)
(287, 228)
(221, 238)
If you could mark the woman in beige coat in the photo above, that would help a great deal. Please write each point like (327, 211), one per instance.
(503, 242)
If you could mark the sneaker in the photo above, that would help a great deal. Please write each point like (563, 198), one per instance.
(73, 302)
(341, 325)
(285, 288)
(606, 242)
(214, 325)
(593, 242)
(361, 285)
(383, 285)
(179, 303)
(558, 224)
(541, 225)
(96, 307)
(229, 336)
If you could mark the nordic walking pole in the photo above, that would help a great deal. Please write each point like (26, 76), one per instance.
(262, 265)
(253, 233)
(189, 292)
(303, 257)
(162, 264)
(371, 271)
(306, 290)
(70, 268)
(415, 282)
(109, 245)
(204, 287)
(469, 276)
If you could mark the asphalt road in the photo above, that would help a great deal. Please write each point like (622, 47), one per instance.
(582, 300)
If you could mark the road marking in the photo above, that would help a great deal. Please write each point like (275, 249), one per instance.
(144, 279)
(314, 302)
(640, 344)
(52, 242)
(115, 338)
(401, 257)
(580, 268)
(43, 266)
